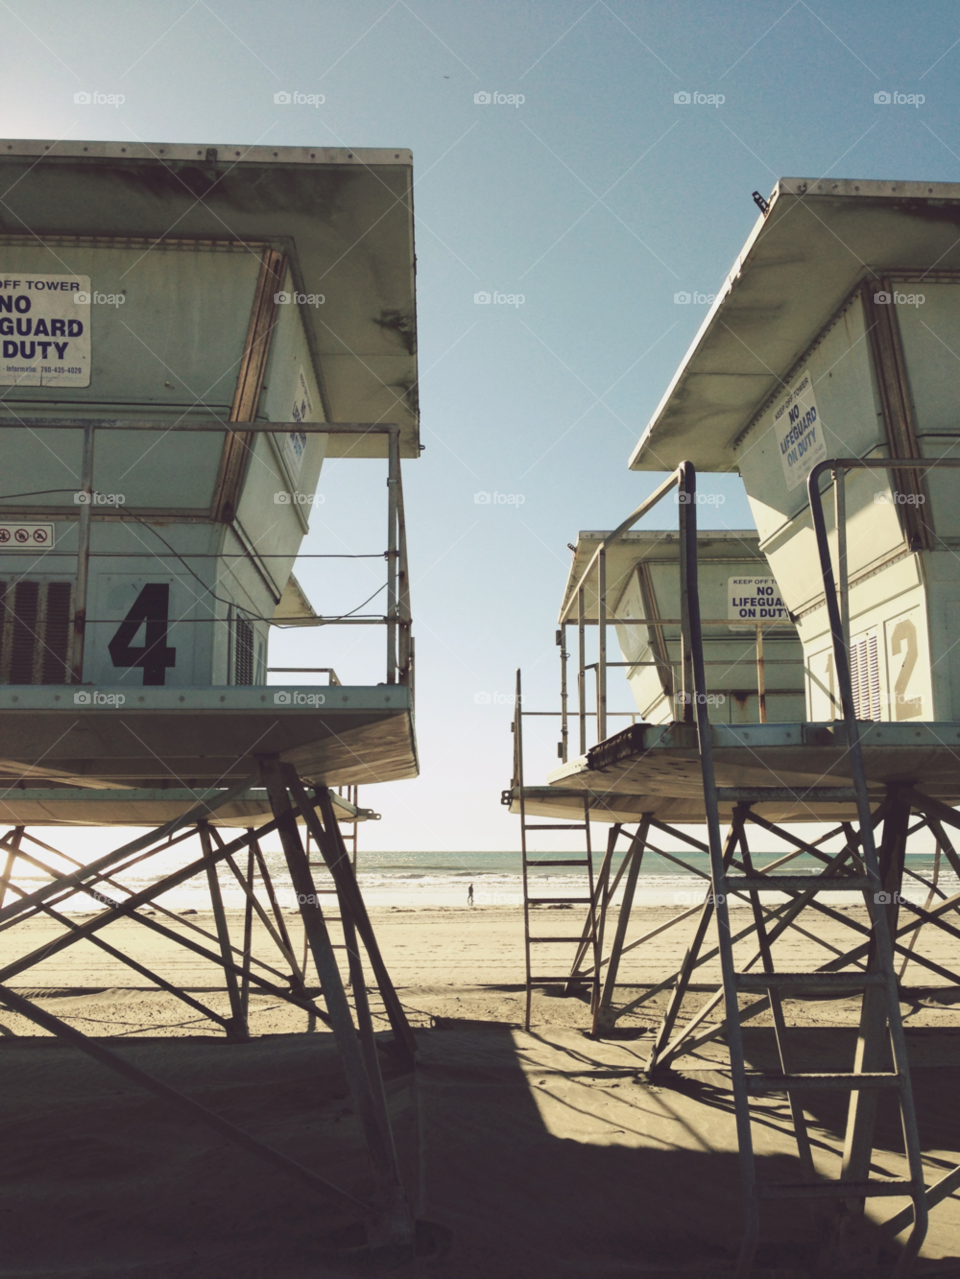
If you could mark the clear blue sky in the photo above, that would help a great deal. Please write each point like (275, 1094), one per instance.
(597, 198)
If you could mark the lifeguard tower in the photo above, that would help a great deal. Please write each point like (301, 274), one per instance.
(824, 375)
(188, 333)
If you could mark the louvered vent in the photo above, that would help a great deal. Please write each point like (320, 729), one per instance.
(35, 632)
(243, 652)
(865, 677)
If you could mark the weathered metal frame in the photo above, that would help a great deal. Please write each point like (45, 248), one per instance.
(386, 1216)
(874, 870)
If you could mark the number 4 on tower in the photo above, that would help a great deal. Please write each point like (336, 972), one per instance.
(150, 609)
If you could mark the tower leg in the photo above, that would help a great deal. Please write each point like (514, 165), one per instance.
(392, 1225)
(605, 1018)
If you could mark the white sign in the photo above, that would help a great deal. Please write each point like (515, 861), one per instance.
(15, 536)
(799, 432)
(755, 601)
(44, 330)
(296, 442)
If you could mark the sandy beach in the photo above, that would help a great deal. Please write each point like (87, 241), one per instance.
(535, 1154)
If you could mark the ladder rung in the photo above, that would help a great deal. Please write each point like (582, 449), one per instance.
(812, 794)
(799, 883)
(561, 826)
(834, 1189)
(760, 981)
(583, 862)
(559, 901)
(558, 939)
(822, 1079)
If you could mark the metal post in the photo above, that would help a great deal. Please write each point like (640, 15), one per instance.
(581, 671)
(247, 938)
(299, 979)
(393, 480)
(393, 1224)
(686, 655)
(840, 518)
(881, 936)
(604, 1019)
(602, 638)
(518, 772)
(83, 558)
(564, 728)
(14, 843)
(691, 613)
(761, 678)
(602, 891)
(405, 642)
(872, 1041)
(237, 1028)
(333, 851)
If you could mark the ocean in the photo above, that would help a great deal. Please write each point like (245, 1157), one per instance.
(412, 880)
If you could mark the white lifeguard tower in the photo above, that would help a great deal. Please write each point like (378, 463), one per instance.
(751, 647)
(824, 374)
(187, 333)
(832, 337)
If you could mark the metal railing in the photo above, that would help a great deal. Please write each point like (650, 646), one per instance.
(662, 661)
(397, 618)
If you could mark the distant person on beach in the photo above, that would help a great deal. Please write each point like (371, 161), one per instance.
(470, 895)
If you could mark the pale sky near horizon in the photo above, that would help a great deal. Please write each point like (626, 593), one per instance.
(595, 199)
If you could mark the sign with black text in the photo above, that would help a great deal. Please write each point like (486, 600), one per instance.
(44, 330)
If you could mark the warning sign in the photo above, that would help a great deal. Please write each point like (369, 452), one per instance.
(25, 537)
(799, 432)
(45, 330)
(755, 601)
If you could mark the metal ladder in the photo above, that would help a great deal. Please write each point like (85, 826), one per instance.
(586, 941)
(880, 1009)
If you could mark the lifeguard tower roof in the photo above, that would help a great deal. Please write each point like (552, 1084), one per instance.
(343, 218)
(805, 255)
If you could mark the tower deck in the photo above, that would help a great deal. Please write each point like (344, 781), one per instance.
(656, 769)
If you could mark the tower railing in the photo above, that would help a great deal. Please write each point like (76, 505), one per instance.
(397, 617)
